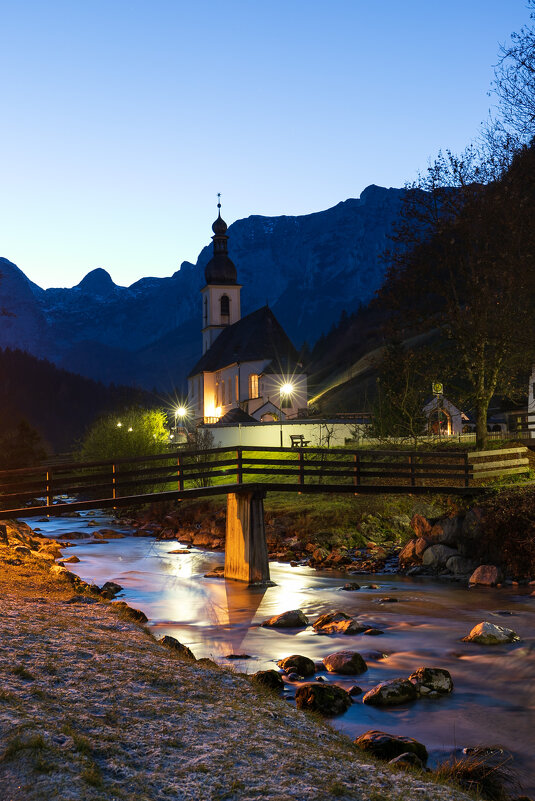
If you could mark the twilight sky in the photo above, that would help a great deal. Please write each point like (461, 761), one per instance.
(122, 120)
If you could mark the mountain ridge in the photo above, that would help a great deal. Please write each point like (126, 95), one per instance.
(308, 269)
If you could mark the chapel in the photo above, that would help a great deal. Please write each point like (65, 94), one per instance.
(249, 369)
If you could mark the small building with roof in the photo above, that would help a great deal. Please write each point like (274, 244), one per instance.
(247, 363)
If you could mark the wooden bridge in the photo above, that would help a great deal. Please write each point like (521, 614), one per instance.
(245, 474)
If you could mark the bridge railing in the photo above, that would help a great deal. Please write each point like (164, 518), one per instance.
(183, 470)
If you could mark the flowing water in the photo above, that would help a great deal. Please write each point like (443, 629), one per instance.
(493, 701)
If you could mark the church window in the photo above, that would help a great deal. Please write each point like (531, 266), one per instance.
(253, 385)
(286, 401)
(206, 311)
(237, 389)
(216, 394)
(225, 308)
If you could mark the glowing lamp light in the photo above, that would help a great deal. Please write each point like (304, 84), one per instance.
(119, 424)
(181, 411)
(287, 389)
(130, 429)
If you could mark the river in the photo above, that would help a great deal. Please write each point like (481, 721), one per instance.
(493, 701)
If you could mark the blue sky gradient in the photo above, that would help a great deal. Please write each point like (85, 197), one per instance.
(122, 120)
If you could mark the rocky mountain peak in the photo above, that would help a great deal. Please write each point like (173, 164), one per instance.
(97, 282)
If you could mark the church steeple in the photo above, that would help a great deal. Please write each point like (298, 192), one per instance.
(221, 295)
(220, 269)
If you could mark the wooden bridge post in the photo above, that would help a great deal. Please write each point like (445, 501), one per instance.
(246, 555)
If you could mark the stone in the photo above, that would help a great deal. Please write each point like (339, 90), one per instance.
(388, 600)
(71, 560)
(181, 650)
(460, 565)
(432, 679)
(391, 693)
(407, 761)
(294, 619)
(207, 663)
(489, 634)
(350, 587)
(447, 531)
(268, 678)
(110, 589)
(74, 535)
(486, 576)
(327, 699)
(337, 623)
(436, 556)
(301, 664)
(413, 551)
(420, 525)
(389, 746)
(349, 663)
(81, 599)
(109, 534)
(355, 690)
(372, 632)
(129, 612)
(180, 551)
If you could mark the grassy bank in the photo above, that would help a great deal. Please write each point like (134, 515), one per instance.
(92, 708)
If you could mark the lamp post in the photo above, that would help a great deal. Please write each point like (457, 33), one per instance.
(286, 391)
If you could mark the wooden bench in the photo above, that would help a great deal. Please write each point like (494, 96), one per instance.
(299, 441)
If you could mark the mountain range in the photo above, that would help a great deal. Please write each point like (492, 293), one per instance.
(307, 268)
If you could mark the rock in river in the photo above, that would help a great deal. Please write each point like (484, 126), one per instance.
(432, 679)
(327, 699)
(337, 623)
(391, 693)
(489, 634)
(294, 619)
(301, 664)
(486, 576)
(389, 746)
(268, 678)
(348, 663)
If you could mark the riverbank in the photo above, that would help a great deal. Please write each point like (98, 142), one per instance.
(92, 707)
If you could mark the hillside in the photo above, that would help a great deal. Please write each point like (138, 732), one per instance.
(58, 404)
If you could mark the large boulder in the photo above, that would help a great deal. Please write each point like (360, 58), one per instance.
(490, 634)
(460, 565)
(391, 693)
(349, 663)
(413, 552)
(420, 525)
(472, 530)
(327, 699)
(389, 746)
(432, 680)
(268, 678)
(177, 647)
(486, 576)
(300, 664)
(337, 623)
(294, 619)
(436, 556)
(447, 531)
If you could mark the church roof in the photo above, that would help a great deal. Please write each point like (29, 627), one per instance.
(234, 416)
(220, 269)
(257, 337)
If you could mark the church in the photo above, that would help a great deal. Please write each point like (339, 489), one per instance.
(249, 370)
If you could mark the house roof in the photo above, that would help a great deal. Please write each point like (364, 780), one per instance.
(234, 416)
(257, 337)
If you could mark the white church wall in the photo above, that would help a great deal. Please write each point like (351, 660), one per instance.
(319, 433)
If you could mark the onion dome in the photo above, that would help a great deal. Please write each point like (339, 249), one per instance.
(220, 269)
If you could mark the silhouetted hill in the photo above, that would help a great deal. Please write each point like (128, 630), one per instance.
(58, 404)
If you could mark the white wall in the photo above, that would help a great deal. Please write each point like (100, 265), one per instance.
(269, 434)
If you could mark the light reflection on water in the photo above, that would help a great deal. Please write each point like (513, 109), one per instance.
(494, 697)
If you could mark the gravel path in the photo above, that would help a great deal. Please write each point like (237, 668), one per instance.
(92, 707)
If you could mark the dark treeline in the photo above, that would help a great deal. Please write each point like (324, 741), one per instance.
(58, 405)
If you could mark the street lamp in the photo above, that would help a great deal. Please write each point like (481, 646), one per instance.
(285, 391)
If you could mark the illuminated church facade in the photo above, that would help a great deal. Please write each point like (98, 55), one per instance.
(249, 369)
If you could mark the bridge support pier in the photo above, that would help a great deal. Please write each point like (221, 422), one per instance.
(246, 555)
